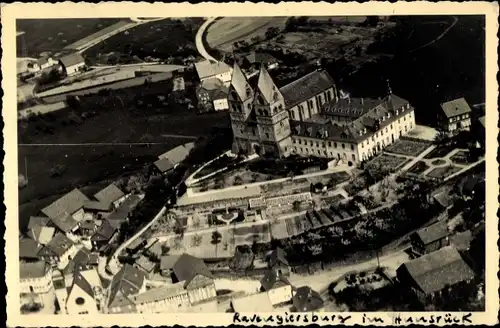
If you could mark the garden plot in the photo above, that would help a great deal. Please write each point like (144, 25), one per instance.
(440, 151)
(408, 147)
(443, 172)
(461, 158)
(387, 162)
(419, 167)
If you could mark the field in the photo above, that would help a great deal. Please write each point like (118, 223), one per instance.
(224, 32)
(54, 34)
(407, 147)
(81, 165)
(159, 39)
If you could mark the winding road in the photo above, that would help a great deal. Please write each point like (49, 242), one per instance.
(199, 39)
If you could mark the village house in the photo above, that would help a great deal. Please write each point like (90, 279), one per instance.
(145, 264)
(277, 287)
(103, 236)
(219, 70)
(38, 221)
(171, 159)
(212, 96)
(35, 277)
(40, 64)
(29, 249)
(87, 228)
(41, 234)
(178, 84)
(59, 251)
(154, 251)
(254, 60)
(124, 210)
(167, 264)
(455, 116)
(435, 273)
(278, 262)
(307, 300)
(83, 260)
(195, 277)
(66, 212)
(72, 64)
(127, 282)
(431, 238)
(254, 303)
(309, 117)
(96, 209)
(111, 195)
(136, 245)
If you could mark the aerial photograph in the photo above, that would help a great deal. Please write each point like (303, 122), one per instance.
(251, 164)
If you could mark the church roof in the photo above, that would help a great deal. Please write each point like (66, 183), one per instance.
(240, 84)
(306, 87)
(266, 86)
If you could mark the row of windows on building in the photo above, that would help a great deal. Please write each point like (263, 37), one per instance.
(323, 143)
(459, 117)
(323, 153)
(310, 104)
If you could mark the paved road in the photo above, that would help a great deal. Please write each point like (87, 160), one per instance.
(114, 265)
(199, 39)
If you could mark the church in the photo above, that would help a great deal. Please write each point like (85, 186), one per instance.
(310, 117)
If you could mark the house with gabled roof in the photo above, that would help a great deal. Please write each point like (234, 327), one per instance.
(41, 234)
(40, 221)
(67, 211)
(127, 282)
(455, 116)
(195, 277)
(29, 249)
(35, 277)
(72, 64)
(58, 251)
(172, 158)
(212, 96)
(431, 238)
(307, 300)
(277, 287)
(207, 69)
(111, 195)
(431, 274)
(277, 261)
(104, 235)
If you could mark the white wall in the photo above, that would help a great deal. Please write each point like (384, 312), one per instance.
(74, 69)
(221, 104)
(88, 307)
(280, 295)
(40, 285)
(79, 215)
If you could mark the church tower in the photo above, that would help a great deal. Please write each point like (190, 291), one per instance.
(241, 98)
(272, 118)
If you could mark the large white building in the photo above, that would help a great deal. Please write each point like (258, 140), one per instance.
(35, 277)
(210, 70)
(309, 117)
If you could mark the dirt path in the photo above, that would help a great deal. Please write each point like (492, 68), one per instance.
(455, 21)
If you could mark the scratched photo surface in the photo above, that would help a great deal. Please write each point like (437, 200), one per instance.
(278, 169)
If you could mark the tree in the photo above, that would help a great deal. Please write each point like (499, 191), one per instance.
(164, 249)
(216, 237)
(297, 205)
(196, 240)
(58, 170)
(177, 242)
(372, 21)
(178, 227)
(271, 32)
